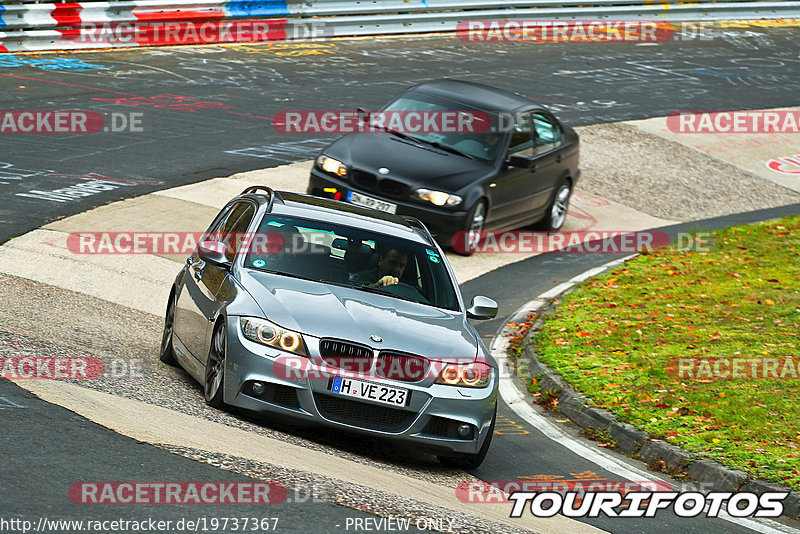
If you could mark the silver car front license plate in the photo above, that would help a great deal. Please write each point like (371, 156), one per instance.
(361, 389)
(369, 202)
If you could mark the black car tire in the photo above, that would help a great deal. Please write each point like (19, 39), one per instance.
(167, 353)
(553, 222)
(214, 383)
(468, 462)
(470, 225)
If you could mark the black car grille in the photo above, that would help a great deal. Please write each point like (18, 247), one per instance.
(286, 396)
(363, 415)
(347, 356)
(274, 393)
(393, 188)
(437, 426)
(365, 180)
(404, 367)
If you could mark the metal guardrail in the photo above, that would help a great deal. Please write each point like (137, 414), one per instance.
(48, 26)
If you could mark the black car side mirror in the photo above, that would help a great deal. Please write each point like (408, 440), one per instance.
(214, 252)
(482, 308)
(522, 162)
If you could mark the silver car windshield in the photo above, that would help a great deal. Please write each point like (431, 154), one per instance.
(347, 256)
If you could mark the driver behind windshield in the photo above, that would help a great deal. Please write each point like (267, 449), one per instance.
(391, 264)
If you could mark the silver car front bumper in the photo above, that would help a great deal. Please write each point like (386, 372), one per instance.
(429, 420)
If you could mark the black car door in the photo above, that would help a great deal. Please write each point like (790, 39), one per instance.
(547, 159)
(510, 190)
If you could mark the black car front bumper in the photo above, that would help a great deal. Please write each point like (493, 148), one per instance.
(442, 223)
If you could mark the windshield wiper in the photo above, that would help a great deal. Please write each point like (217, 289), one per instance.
(385, 293)
(447, 148)
(434, 144)
(290, 275)
(340, 284)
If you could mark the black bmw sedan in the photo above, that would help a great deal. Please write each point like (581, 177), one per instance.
(519, 171)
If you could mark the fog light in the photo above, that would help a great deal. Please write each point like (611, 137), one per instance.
(464, 430)
(258, 389)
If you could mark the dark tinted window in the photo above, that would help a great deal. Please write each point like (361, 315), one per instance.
(548, 133)
(521, 137)
(231, 229)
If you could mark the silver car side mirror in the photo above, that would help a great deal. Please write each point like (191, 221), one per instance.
(482, 308)
(214, 252)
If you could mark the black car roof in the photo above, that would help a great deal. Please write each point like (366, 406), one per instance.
(477, 95)
(344, 213)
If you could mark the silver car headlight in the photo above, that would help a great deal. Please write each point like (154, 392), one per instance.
(438, 198)
(471, 375)
(330, 165)
(267, 333)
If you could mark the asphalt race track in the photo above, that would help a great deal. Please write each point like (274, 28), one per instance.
(62, 448)
(206, 113)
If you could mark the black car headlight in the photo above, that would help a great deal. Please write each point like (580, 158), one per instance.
(267, 333)
(332, 166)
(438, 198)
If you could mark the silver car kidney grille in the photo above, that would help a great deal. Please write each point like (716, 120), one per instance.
(348, 356)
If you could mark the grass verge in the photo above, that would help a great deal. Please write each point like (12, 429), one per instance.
(624, 339)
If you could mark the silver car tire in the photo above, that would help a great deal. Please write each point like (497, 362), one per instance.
(468, 462)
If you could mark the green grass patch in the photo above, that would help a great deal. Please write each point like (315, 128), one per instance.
(617, 337)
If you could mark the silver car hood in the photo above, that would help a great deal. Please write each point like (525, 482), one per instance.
(325, 310)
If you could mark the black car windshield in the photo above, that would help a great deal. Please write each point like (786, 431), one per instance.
(348, 256)
(481, 145)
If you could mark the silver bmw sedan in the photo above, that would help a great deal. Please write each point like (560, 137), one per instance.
(334, 314)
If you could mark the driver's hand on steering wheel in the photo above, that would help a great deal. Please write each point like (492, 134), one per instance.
(387, 280)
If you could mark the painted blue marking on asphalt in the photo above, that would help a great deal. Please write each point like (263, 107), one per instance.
(59, 63)
(263, 8)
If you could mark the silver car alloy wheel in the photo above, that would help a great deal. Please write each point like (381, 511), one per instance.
(476, 227)
(558, 213)
(215, 364)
